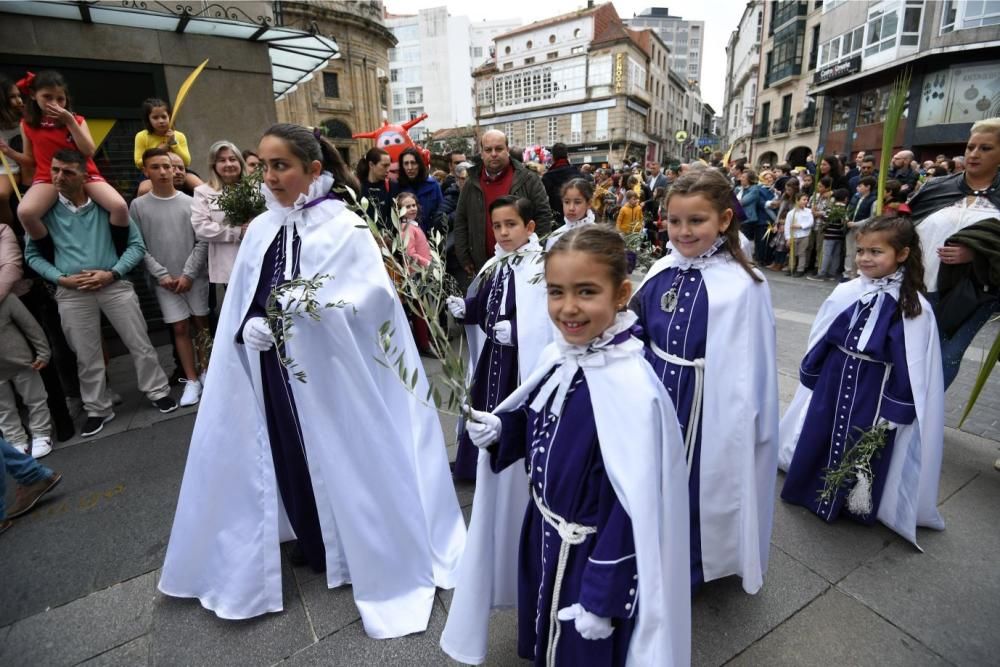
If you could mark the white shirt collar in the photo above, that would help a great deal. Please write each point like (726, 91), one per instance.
(73, 207)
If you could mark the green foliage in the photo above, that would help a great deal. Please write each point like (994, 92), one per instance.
(857, 460)
(423, 290)
(286, 302)
(243, 200)
(645, 252)
(893, 115)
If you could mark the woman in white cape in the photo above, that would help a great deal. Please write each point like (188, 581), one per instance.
(348, 462)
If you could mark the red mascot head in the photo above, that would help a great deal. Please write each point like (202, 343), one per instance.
(394, 139)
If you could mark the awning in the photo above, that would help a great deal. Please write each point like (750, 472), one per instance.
(295, 54)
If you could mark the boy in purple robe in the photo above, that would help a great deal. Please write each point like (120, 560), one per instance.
(501, 286)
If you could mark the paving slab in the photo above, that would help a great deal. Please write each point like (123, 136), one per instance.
(84, 628)
(132, 654)
(725, 620)
(329, 610)
(966, 456)
(184, 633)
(946, 596)
(830, 550)
(351, 646)
(108, 521)
(836, 629)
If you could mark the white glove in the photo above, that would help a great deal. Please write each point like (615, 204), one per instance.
(483, 427)
(456, 306)
(590, 626)
(257, 335)
(502, 332)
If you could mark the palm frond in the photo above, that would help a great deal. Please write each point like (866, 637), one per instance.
(898, 95)
(992, 358)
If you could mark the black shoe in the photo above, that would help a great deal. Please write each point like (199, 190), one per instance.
(296, 556)
(818, 277)
(95, 425)
(165, 404)
(64, 430)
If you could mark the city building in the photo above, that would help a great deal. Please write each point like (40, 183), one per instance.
(786, 127)
(351, 94)
(742, 66)
(583, 79)
(436, 54)
(952, 50)
(685, 39)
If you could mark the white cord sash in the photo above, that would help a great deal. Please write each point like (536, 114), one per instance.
(694, 419)
(571, 535)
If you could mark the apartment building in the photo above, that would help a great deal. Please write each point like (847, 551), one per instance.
(685, 39)
(742, 67)
(786, 127)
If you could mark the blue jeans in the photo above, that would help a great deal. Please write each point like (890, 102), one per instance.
(22, 467)
(953, 348)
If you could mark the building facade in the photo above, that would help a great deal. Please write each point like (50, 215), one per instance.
(351, 95)
(685, 39)
(430, 67)
(786, 125)
(583, 79)
(952, 50)
(742, 67)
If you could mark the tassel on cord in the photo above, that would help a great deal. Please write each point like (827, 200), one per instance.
(859, 500)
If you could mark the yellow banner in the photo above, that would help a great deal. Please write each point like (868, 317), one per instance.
(99, 129)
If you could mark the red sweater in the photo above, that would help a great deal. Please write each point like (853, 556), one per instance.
(493, 190)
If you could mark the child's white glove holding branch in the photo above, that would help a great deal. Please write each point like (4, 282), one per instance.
(257, 335)
(483, 427)
(590, 626)
(456, 306)
(502, 332)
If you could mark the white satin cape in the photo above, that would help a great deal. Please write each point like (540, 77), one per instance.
(506, 494)
(391, 522)
(643, 454)
(739, 420)
(911, 486)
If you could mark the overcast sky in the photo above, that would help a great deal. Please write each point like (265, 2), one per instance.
(720, 17)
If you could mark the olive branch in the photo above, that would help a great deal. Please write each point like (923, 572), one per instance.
(299, 298)
(423, 290)
(243, 200)
(856, 464)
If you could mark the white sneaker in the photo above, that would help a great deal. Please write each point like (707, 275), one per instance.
(23, 448)
(41, 447)
(201, 378)
(192, 393)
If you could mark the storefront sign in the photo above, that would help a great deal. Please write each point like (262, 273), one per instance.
(619, 72)
(838, 70)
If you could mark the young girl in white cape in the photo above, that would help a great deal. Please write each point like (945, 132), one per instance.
(348, 462)
(873, 360)
(709, 333)
(602, 570)
(576, 195)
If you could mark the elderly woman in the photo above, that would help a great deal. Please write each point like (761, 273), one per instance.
(958, 220)
(225, 167)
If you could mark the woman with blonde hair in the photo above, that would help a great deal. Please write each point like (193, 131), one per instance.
(225, 167)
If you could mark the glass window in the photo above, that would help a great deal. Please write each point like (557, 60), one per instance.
(912, 15)
(948, 15)
(552, 55)
(414, 95)
(601, 120)
(576, 128)
(553, 128)
(978, 13)
(882, 27)
(331, 86)
(529, 132)
(841, 115)
(529, 61)
(397, 98)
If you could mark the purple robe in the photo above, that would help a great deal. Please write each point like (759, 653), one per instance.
(846, 393)
(562, 457)
(496, 374)
(283, 429)
(682, 333)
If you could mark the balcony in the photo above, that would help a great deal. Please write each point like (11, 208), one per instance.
(805, 120)
(760, 130)
(781, 125)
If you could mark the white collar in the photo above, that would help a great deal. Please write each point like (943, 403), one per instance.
(318, 189)
(156, 196)
(531, 245)
(585, 220)
(710, 256)
(68, 203)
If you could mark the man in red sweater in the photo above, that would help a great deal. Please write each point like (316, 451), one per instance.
(496, 176)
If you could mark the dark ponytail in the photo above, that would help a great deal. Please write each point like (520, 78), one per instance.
(309, 146)
(900, 233)
(373, 156)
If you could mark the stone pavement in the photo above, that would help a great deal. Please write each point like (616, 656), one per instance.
(79, 573)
